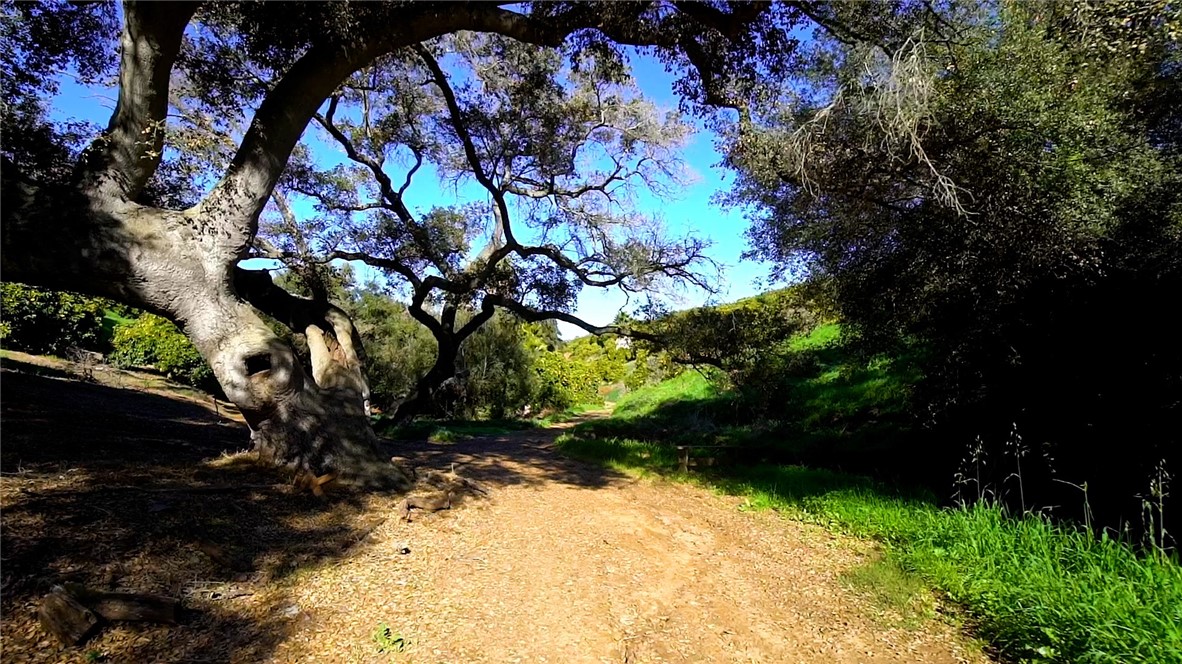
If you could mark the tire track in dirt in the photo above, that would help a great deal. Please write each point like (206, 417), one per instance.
(567, 562)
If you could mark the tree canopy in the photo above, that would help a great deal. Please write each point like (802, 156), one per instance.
(557, 151)
(158, 214)
(999, 184)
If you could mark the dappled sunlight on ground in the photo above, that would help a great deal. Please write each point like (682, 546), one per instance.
(551, 559)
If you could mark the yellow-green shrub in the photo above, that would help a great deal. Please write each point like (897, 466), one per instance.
(152, 340)
(46, 321)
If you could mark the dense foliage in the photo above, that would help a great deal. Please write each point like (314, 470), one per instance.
(497, 372)
(1001, 189)
(150, 340)
(810, 398)
(562, 383)
(505, 368)
(45, 321)
(556, 143)
(748, 341)
(398, 349)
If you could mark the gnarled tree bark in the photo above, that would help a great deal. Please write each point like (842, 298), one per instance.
(90, 235)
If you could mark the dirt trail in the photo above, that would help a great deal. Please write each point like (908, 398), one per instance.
(561, 562)
(566, 562)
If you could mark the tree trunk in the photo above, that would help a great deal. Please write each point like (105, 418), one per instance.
(181, 265)
(427, 387)
(447, 341)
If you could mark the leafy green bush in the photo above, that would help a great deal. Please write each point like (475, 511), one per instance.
(563, 383)
(399, 350)
(152, 340)
(45, 321)
(496, 380)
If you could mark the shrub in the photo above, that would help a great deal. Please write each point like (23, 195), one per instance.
(152, 340)
(563, 383)
(45, 321)
(495, 377)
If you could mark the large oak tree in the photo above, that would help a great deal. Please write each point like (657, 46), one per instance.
(104, 217)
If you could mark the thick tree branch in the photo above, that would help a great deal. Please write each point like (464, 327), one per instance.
(119, 163)
(295, 312)
(730, 25)
(333, 342)
(416, 311)
(551, 188)
(531, 315)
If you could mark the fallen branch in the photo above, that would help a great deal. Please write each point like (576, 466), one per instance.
(426, 503)
(215, 488)
(452, 482)
(71, 611)
(136, 607)
(63, 616)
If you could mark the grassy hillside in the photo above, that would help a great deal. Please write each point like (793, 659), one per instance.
(822, 406)
(1039, 591)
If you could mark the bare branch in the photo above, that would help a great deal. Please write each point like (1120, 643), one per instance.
(548, 189)
(474, 162)
(411, 172)
(531, 315)
(391, 198)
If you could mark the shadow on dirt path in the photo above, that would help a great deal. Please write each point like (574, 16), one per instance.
(130, 483)
(526, 457)
(569, 562)
(561, 561)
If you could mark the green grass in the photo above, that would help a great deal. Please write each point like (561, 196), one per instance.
(683, 409)
(902, 598)
(444, 435)
(821, 336)
(1037, 590)
(621, 454)
(568, 414)
(828, 407)
(688, 388)
(844, 409)
(110, 321)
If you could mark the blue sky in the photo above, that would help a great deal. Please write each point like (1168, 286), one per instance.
(693, 211)
(690, 211)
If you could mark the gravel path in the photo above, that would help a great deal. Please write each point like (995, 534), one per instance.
(568, 562)
(561, 562)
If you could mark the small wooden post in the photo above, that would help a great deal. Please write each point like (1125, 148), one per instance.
(683, 457)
